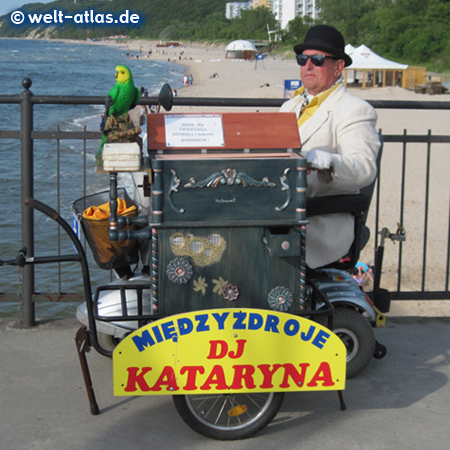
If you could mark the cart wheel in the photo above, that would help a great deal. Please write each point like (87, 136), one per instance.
(228, 416)
(356, 333)
(380, 351)
(107, 341)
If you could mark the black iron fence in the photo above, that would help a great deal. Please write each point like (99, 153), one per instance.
(419, 273)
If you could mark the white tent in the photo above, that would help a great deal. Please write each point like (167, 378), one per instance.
(364, 58)
(370, 70)
(349, 49)
(240, 49)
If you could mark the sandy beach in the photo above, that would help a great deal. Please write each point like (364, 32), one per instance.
(265, 79)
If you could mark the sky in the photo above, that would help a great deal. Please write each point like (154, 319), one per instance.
(7, 6)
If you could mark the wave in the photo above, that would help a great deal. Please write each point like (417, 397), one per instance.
(81, 122)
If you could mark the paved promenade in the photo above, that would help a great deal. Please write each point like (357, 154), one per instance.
(399, 402)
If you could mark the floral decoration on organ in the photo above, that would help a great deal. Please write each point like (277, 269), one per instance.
(280, 298)
(230, 292)
(179, 271)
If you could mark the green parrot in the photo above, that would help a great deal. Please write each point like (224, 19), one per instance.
(122, 97)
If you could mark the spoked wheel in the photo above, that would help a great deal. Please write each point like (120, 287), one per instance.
(357, 335)
(228, 416)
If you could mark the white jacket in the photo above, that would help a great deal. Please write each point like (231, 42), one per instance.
(345, 126)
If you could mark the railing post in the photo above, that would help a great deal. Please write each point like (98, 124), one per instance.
(26, 129)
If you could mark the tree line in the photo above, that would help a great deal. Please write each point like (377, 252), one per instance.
(414, 32)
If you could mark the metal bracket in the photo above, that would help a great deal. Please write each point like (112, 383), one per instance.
(82, 341)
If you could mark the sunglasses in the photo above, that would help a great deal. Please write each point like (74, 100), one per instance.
(316, 60)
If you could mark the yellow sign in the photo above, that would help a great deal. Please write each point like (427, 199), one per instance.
(229, 350)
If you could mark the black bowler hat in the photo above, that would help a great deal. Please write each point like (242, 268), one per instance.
(326, 39)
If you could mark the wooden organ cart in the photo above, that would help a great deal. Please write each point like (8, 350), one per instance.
(230, 327)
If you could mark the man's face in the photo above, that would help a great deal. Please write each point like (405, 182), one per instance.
(317, 79)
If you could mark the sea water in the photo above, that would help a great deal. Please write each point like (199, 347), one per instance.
(59, 68)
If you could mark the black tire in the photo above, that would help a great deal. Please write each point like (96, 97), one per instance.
(357, 334)
(107, 341)
(228, 416)
(380, 351)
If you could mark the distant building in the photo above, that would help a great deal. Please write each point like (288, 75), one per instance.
(266, 3)
(287, 10)
(283, 10)
(233, 9)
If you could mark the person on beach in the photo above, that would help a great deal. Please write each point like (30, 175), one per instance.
(363, 274)
(361, 268)
(367, 278)
(338, 137)
(143, 111)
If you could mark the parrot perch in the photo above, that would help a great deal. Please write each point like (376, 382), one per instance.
(121, 98)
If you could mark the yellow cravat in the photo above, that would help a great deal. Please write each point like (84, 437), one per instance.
(312, 106)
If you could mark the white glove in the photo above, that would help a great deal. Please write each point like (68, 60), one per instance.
(319, 159)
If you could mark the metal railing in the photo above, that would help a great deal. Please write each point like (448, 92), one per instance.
(27, 136)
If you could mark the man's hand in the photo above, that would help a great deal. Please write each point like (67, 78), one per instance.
(319, 160)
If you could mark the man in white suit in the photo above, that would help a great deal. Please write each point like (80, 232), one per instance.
(338, 136)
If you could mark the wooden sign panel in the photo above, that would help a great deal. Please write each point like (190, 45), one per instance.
(240, 131)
